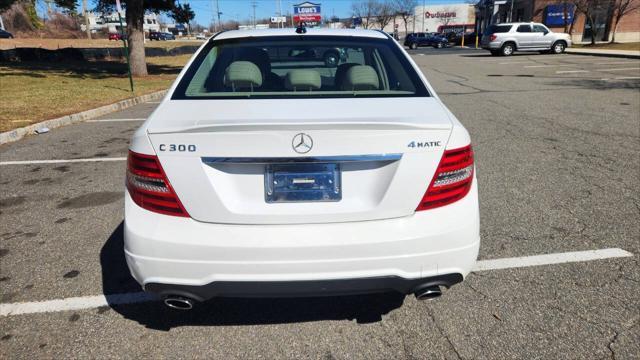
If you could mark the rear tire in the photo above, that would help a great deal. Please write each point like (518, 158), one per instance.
(558, 47)
(413, 46)
(439, 45)
(507, 49)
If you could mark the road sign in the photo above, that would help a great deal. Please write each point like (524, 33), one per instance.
(278, 19)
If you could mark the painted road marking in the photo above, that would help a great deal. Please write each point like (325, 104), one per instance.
(620, 69)
(544, 66)
(571, 71)
(622, 78)
(115, 120)
(615, 63)
(35, 162)
(514, 62)
(548, 259)
(89, 302)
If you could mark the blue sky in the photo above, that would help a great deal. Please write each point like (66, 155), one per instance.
(241, 9)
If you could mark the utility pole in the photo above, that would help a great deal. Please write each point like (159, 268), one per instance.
(218, 14)
(85, 13)
(253, 5)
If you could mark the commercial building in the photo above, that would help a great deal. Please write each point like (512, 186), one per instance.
(110, 22)
(560, 17)
(444, 18)
(433, 18)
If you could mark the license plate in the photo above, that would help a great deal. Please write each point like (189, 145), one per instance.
(303, 182)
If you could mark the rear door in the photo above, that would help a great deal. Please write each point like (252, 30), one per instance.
(526, 38)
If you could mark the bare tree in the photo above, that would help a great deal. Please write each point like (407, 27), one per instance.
(405, 9)
(384, 14)
(448, 15)
(620, 9)
(589, 8)
(366, 10)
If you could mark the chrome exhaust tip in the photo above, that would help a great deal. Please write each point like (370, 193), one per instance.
(428, 293)
(178, 302)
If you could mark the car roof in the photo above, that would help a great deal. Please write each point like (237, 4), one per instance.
(234, 34)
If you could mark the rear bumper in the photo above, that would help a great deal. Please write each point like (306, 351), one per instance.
(491, 45)
(302, 288)
(169, 254)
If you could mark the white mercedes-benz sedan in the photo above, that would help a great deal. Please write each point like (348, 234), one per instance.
(297, 162)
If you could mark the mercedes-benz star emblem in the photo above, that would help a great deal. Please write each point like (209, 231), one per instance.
(302, 143)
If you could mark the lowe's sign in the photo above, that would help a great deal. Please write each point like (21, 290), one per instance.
(308, 13)
(555, 14)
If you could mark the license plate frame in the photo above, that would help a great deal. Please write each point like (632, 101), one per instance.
(302, 182)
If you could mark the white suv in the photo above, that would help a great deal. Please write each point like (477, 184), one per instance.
(267, 171)
(505, 39)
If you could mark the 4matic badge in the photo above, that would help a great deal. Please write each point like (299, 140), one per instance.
(424, 144)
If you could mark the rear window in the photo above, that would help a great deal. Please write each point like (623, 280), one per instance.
(300, 67)
(493, 29)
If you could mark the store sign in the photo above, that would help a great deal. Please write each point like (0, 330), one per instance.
(308, 13)
(555, 14)
(440, 15)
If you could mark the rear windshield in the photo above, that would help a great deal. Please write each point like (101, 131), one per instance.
(498, 29)
(300, 67)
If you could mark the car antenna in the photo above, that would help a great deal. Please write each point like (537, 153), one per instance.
(301, 29)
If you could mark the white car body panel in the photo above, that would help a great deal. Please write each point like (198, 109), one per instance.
(234, 235)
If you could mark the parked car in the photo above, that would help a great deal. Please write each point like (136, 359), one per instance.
(267, 174)
(414, 40)
(201, 36)
(5, 34)
(455, 37)
(161, 36)
(117, 36)
(505, 39)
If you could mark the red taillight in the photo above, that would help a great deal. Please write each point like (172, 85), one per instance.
(452, 180)
(149, 187)
(493, 37)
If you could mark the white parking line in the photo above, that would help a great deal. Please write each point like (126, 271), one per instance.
(116, 120)
(514, 62)
(36, 162)
(615, 63)
(622, 78)
(620, 69)
(544, 66)
(571, 71)
(89, 302)
(548, 259)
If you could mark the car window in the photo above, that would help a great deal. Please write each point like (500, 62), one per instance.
(524, 28)
(299, 67)
(493, 29)
(540, 28)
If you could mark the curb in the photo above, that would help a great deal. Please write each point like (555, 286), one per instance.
(19, 133)
(613, 55)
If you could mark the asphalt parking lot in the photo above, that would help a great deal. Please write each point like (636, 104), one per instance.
(557, 142)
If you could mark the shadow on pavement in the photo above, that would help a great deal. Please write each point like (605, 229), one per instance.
(116, 279)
